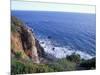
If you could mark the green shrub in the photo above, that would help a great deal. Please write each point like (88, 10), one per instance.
(67, 65)
(18, 54)
(19, 67)
(74, 58)
(88, 64)
(13, 28)
(56, 67)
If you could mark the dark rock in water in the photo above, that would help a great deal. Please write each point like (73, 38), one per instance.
(53, 49)
(42, 42)
(49, 37)
(64, 51)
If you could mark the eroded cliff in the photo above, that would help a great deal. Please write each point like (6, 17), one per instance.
(24, 41)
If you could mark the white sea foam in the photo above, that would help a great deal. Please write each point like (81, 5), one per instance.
(61, 52)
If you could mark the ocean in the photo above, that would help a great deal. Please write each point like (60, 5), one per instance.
(62, 33)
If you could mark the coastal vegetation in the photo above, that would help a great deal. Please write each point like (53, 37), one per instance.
(22, 67)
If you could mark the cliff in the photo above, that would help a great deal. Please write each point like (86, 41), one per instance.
(23, 42)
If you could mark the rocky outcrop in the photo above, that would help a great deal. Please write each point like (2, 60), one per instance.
(23, 40)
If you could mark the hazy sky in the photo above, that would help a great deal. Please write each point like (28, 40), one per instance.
(44, 6)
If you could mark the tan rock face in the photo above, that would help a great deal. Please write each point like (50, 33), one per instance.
(22, 39)
(29, 44)
(16, 41)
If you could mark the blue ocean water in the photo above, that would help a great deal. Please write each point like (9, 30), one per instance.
(62, 33)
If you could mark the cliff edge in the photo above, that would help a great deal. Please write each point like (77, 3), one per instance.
(23, 42)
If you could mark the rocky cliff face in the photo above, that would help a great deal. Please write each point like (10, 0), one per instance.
(23, 41)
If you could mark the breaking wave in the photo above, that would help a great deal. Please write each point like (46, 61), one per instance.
(61, 52)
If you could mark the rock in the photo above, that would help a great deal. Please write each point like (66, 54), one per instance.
(42, 42)
(53, 48)
(23, 40)
(49, 37)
